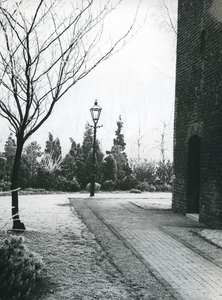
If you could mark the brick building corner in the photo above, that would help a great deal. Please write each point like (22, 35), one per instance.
(198, 112)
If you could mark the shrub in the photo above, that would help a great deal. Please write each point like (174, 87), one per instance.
(108, 185)
(143, 186)
(110, 168)
(164, 172)
(66, 185)
(167, 188)
(6, 186)
(159, 187)
(152, 188)
(127, 183)
(163, 187)
(97, 187)
(145, 171)
(135, 191)
(19, 268)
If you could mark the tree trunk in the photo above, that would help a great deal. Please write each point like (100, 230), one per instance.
(17, 224)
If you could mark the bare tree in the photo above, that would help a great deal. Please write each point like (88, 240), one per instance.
(166, 15)
(139, 138)
(169, 16)
(162, 142)
(45, 50)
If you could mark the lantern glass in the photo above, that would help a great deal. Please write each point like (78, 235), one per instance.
(95, 112)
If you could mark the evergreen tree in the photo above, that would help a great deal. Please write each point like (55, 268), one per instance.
(119, 140)
(123, 168)
(9, 154)
(53, 148)
(67, 175)
(87, 147)
(29, 165)
(110, 169)
(50, 165)
(3, 163)
(87, 143)
(72, 163)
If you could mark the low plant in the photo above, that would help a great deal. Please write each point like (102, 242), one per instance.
(152, 188)
(143, 186)
(19, 269)
(5, 185)
(135, 191)
(108, 185)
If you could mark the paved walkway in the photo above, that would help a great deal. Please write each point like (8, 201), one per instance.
(191, 275)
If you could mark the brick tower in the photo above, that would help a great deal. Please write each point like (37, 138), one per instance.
(198, 111)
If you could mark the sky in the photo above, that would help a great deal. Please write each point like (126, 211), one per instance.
(137, 83)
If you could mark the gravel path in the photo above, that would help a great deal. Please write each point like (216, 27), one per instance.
(166, 244)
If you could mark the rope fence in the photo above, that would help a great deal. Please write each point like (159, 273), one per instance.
(6, 192)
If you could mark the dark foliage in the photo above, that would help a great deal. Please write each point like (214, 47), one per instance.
(19, 269)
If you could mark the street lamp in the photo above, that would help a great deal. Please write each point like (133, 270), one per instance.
(95, 113)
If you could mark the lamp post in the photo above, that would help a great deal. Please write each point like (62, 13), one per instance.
(95, 113)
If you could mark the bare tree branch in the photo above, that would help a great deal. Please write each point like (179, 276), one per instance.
(166, 15)
(172, 24)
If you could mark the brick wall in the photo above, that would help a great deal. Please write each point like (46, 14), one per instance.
(198, 105)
